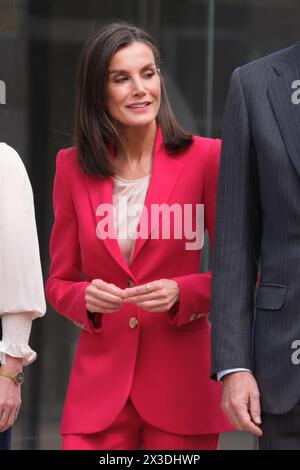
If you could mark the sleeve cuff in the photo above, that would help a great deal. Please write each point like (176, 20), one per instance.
(173, 313)
(96, 320)
(21, 350)
(224, 372)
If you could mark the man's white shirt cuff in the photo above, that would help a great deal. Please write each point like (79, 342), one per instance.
(224, 372)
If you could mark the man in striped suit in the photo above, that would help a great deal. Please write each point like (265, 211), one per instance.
(256, 317)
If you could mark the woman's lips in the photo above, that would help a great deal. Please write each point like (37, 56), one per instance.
(139, 106)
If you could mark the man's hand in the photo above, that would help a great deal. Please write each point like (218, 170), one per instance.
(10, 394)
(241, 403)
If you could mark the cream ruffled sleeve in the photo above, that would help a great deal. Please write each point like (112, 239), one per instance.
(16, 329)
(21, 284)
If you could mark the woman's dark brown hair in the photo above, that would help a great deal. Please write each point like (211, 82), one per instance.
(94, 127)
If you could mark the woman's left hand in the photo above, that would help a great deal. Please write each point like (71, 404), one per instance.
(154, 296)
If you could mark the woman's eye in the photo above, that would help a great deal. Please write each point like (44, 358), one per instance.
(149, 74)
(120, 80)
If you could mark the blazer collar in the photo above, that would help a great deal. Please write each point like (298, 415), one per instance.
(164, 176)
(286, 112)
(288, 57)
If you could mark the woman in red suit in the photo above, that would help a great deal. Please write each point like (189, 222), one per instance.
(127, 199)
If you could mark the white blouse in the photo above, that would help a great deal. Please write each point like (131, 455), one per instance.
(134, 192)
(21, 284)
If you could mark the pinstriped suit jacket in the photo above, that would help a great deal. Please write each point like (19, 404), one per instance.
(256, 325)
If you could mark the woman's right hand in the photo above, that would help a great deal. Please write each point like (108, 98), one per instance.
(10, 393)
(101, 297)
(10, 402)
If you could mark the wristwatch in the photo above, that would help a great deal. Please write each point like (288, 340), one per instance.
(18, 377)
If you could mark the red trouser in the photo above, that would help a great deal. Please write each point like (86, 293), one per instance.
(130, 432)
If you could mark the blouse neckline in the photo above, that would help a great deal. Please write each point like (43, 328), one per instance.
(123, 180)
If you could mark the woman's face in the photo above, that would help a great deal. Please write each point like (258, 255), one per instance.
(133, 86)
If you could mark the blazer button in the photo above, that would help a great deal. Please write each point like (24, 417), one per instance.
(133, 322)
(193, 317)
(131, 283)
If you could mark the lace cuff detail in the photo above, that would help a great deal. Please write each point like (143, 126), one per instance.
(16, 331)
(17, 350)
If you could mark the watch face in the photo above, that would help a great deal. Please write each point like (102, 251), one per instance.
(19, 378)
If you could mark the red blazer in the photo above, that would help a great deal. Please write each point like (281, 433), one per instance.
(164, 362)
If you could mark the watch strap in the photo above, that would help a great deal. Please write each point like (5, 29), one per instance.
(9, 374)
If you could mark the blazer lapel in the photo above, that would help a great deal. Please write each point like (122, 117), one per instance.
(165, 173)
(287, 113)
(100, 191)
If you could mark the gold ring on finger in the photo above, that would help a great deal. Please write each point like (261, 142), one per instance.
(148, 288)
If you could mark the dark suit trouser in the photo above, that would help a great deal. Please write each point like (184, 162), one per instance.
(281, 432)
(5, 440)
(5, 437)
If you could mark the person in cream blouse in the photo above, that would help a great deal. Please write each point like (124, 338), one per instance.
(21, 284)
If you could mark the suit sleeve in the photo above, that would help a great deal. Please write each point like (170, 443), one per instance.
(195, 289)
(65, 287)
(238, 233)
(21, 279)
